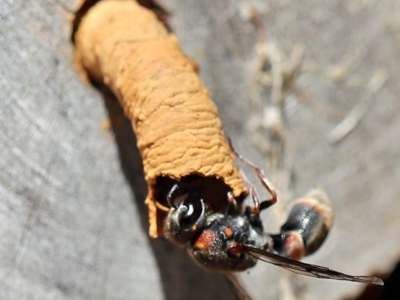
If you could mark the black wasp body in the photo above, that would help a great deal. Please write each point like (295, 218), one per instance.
(215, 240)
(235, 240)
(219, 246)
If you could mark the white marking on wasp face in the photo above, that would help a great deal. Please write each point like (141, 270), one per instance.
(190, 211)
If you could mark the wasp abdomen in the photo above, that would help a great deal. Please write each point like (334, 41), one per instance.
(307, 226)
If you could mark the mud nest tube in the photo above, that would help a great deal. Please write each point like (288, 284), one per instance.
(131, 50)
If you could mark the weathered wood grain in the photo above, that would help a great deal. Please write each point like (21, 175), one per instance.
(71, 193)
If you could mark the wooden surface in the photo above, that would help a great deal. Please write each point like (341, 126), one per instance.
(71, 192)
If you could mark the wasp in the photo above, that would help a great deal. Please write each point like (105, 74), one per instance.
(196, 192)
(235, 240)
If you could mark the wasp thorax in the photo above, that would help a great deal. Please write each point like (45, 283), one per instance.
(219, 246)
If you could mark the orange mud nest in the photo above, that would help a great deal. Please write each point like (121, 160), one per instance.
(179, 133)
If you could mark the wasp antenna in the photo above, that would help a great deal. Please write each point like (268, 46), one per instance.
(260, 174)
(162, 207)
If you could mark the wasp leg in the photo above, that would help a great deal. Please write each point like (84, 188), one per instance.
(233, 207)
(263, 179)
(253, 194)
(307, 225)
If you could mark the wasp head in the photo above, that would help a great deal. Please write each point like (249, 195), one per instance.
(185, 219)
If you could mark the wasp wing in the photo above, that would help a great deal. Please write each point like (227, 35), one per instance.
(307, 269)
